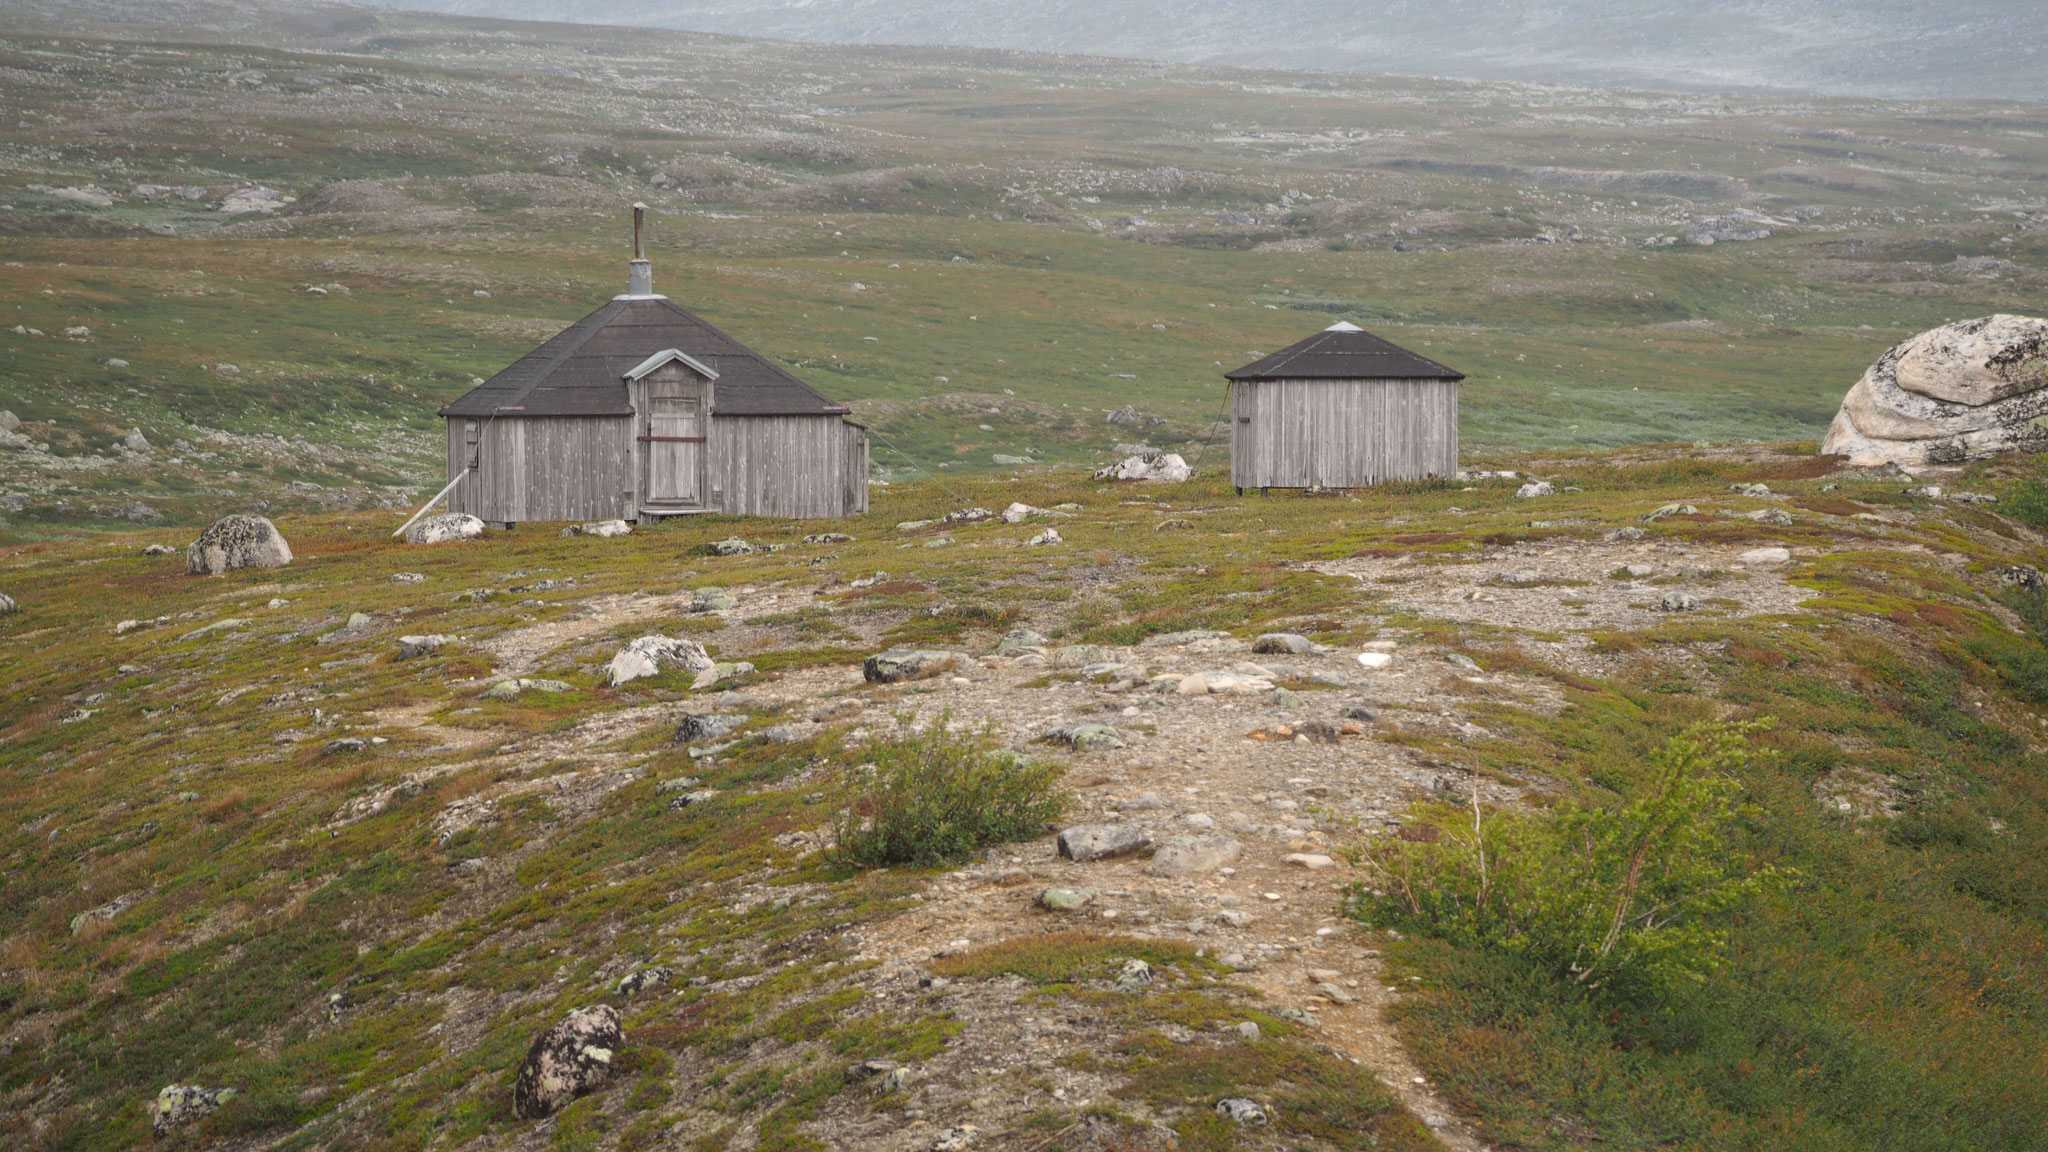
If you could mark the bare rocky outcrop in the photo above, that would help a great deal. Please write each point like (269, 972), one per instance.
(648, 655)
(1160, 467)
(568, 1060)
(182, 1103)
(237, 541)
(1952, 394)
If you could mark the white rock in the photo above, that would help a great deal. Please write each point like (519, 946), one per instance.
(1535, 489)
(1766, 556)
(1313, 861)
(1375, 659)
(648, 655)
(1158, 467)
(1951, 394)
(444, 528)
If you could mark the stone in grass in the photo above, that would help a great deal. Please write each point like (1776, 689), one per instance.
(2024, 577)
(1283, 643)
(1084, 842)
(567, 1061)
(734, 546)
(1286, 698)
(648, 655)
(1065, 899)
(1020, 640)
(956, 1138)
(1676, 601)
(1082, 655)
(1239, 1110)
(1332, 993)
(1766, 556)
(1135, 974)
(510, 689)
(1534, 489)
(900, 664)
(1047, 537)
(1774, 516)
(1247, 1031)
(410, 647)
(691, 799)
(345, 744)
(1313, 861)
(237, 541)
(643, 979)
(712, 600)
(444, 529)
(1192, 854)
(8, 607)
(1086, 737)
(710, 726)
(178, 1104)
(723, 672)
(159, 550)
(1627, 533)
(828, 538)
(599, 528)
(1300, 1016)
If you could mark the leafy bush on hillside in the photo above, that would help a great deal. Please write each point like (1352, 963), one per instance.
(1637, 893)
(938, 797)
(2027, 503)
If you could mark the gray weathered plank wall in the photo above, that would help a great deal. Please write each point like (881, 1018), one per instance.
(797, 466)
(581, 468)
(544, 468)
(1342, 433)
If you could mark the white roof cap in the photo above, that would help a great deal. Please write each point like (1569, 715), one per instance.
(1343, 326)
(671, 356)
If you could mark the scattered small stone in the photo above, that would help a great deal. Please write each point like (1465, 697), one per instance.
(1236, 917)
(1333, 993)
(1300, 1016)
(412, 646)
(1375, 659)
(1677, 601)
(708, 726)
(602, 528)
(1084, 842)
(732, 546)
(1627, 533)
(1239, 1110)
(1065, 899)
(689, 799)
(159, 550)
(1777, 517)
(1195, 853)
(1534, 489)
(643, 979)
(1086, 737)
(1047, 537)
(345, 744)
(176, 1104)
(1283, 643)
(1135, 974)
(2024, 577)
(1460, 660)
(828, 538)
(1671, 510)
(408, 578)
(897, 665)
(956, 1138)
(1765, 556)
(8, 607)
(722, 672)
(1314, 862)
(1020, 640)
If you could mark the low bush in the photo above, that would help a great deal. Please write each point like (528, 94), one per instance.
(938, 797)
(1638, 892)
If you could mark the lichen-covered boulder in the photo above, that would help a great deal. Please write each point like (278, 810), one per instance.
(1952, 394)
(180, 1103)
(568, 1060)
(897, 665)
(648, 655)
(1157, 467)
(445, 528)
(237, 541)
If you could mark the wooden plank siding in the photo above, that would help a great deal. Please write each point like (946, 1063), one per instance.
(796, 466)
(544, 468)
(1341, 433)
(585, 468)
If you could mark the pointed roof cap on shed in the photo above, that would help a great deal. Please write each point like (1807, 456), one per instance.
(1344, 351)
(582, 370)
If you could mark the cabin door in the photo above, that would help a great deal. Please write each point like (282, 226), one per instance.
(672, 444)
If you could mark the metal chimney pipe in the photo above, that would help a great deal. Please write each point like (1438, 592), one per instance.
(639, 273)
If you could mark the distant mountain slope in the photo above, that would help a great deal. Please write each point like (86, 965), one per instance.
(1892, 48)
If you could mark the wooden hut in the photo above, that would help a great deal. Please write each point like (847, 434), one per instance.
(1342, 409)
(644, 409)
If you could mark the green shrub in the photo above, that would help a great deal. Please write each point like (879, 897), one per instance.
(2027, 503)
(1638, 892)
(938, 797)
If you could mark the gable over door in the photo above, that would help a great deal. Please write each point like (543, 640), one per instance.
(673, 423)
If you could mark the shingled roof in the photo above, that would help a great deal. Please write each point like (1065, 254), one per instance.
(1344, 352)
(580, 372)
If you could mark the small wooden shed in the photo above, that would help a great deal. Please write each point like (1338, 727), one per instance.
(643, 409)
(1342, 409)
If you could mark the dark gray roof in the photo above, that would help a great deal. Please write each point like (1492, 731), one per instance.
(581, 370)
(1344, 352)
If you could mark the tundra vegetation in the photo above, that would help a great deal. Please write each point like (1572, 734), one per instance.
(245, 845)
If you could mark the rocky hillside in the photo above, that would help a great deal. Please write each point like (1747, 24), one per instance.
(311, 856)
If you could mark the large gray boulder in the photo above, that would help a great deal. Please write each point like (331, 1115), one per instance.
(1084, 842)
(897, 665)
(1952, 394)
(568, 1060)
(445, 528)
(1156, 467)
(237, 541)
